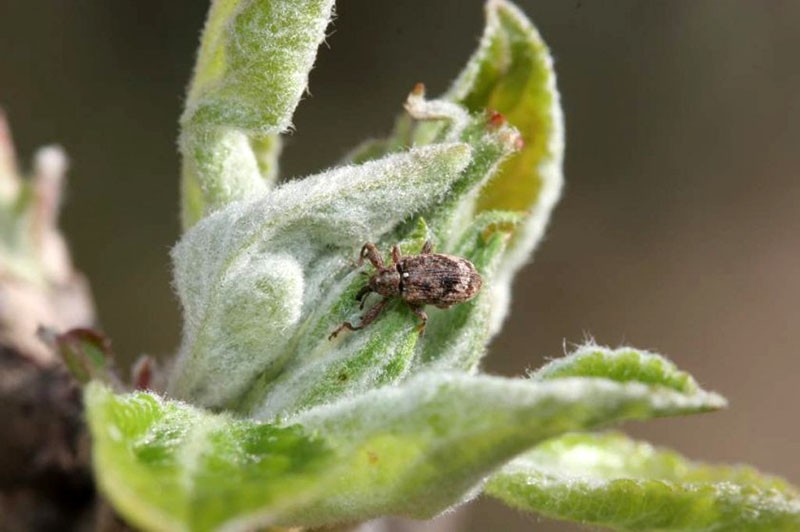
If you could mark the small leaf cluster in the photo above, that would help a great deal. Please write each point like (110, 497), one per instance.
(267, 422)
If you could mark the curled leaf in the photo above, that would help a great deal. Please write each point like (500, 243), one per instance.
(253, 276)
(512, 73)
(251, 71)
(510, 80)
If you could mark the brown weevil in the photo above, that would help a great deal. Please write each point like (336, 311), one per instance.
(419, 280)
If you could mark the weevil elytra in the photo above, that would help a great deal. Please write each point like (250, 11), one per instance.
(425, 279)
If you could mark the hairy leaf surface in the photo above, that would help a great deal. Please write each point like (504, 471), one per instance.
(611, 480)
(411, 449)
(252, 69)
(252, 275)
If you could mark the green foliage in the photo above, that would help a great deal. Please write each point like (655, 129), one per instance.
(512, 72)
(86, 354)
(382, 421)
(621, 365)
(435, 437)
(611, 480)
(412, 449)
(255, 276)
(168, 466)
(252, 69)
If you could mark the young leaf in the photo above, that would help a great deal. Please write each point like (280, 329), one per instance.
(512, 72)
(282, 360)
(413, 449)
(251, 71)
(167, 466)
(419, 447)
(252, 274)
(456, 338)
(321, 371)
(86, 354)
(624, 364)
(511, 76)
(611, 480)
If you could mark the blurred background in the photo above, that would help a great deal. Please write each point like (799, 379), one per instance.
(679, 228)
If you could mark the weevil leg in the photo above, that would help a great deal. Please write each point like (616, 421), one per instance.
(361, 296)
(368, 317)
(340, 328)
(427, 248)
(370, 252)
(395, 254)
(422, 315)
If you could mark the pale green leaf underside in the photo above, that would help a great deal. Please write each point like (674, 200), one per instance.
(412, 449)
(611, 480)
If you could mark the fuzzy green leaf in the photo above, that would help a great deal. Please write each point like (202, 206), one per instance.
(456, 338)
(257, 321)
(390, 348)
(251, 71)
(418, 448)
(512, 73)
(167, 466)
(412, 449)
(253, 276)
(611, 480)
(624, 364)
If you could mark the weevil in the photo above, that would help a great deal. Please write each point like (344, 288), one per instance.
(425, 279)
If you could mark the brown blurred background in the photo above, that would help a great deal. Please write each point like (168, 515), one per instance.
(678, 230)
